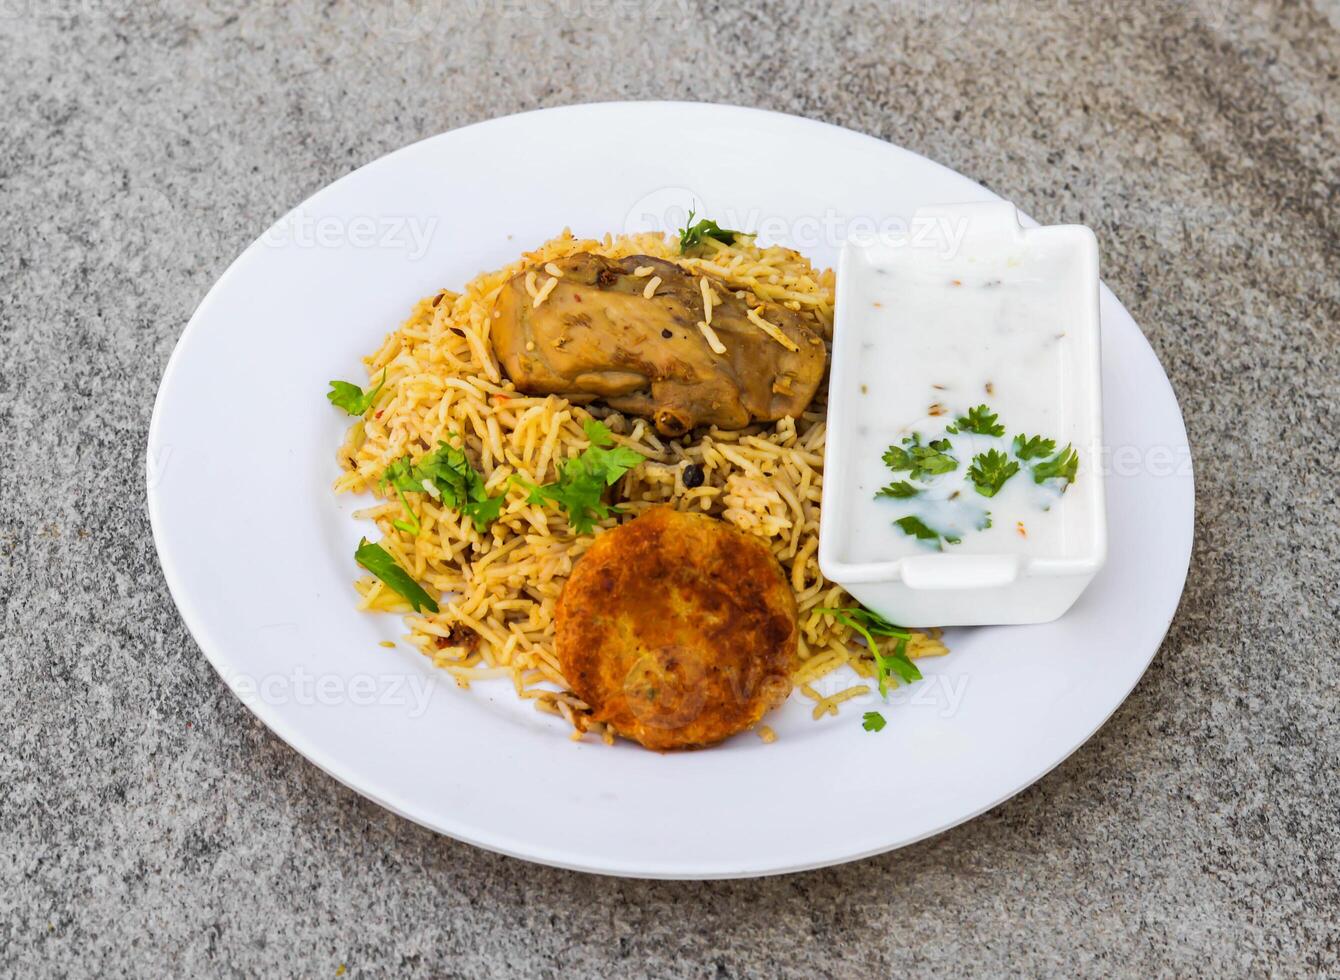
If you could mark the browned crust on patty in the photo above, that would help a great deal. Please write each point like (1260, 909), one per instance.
(678, 630)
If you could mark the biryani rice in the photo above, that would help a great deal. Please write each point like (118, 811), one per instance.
(443, 382)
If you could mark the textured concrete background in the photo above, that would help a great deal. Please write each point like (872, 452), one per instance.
(148, 824)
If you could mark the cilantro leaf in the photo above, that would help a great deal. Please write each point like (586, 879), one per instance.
(410, 525)
(581, 483)
(980, 420)
(898, 489)
(692, 235)
(598, 433)
(869, 625)
(613, 463)
(378, 561)
(400, 474)
(1034, 448)
(1062, 466)
(990, 470)
(899, 663)
(865, 621)
(916, 527)
(447, 469)
(873, 721)
(483, 512)
(918, 460)
(450, 472)
(353, 399)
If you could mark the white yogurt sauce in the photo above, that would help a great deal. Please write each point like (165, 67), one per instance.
(935, 341)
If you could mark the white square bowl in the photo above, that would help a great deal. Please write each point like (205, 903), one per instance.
(948, 589)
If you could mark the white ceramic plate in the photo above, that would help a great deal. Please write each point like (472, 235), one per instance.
(258, 552)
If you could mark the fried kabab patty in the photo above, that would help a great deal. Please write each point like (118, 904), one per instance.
(678, 630)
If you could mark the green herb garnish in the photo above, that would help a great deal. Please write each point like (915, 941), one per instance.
(1063, 466)
(483, 512)
(898, 663)
(980, 420)
(378, 561)
(990, 470)
(581, 483)
(353, 399)
(899, 489)
(400, 474)
(410, 524)
(873, 721)
(916, 527)
(920, 461)
(870, 625)
(447, 469)
(598, 433)
(692, 235)
(1033, 448)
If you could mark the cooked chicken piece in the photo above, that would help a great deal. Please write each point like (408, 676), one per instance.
(679, 630)
(635, 341)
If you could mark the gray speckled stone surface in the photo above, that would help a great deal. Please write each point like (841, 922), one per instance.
(150, 825)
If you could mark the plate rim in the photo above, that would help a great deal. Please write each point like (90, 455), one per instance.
(212, 647)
